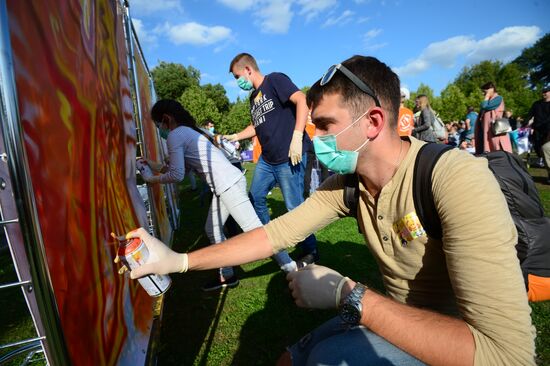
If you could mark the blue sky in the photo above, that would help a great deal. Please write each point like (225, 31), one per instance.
(424, 41)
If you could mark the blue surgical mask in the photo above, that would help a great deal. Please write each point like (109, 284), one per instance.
(211, 129)
(339, 161)
(244, 83)
(163, 132)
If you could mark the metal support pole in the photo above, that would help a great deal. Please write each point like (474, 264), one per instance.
(24, 198)
(139, 122)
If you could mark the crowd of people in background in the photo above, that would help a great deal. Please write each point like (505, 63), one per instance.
(528, 134)
(435, 287)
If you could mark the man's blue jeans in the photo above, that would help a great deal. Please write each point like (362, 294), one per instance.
(335, 343)
(291, 181)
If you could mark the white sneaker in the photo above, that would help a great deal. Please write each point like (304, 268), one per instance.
(289, 267)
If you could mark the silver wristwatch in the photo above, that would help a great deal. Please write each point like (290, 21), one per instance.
(352, 309)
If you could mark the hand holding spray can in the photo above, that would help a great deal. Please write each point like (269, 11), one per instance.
(144, 169)
(133, 253)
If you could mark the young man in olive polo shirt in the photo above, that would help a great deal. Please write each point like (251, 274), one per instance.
(456, 301)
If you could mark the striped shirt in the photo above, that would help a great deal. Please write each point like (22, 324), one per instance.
(189, 150)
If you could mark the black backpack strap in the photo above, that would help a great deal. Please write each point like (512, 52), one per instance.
(351, 193)
(351, 196)
(423, 197)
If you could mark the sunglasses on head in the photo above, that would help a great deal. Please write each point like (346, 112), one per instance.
(352, 77)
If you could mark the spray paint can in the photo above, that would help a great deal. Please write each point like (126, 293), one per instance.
(144, 168)
(133, 253)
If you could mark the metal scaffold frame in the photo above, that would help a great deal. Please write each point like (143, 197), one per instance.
(50, 334)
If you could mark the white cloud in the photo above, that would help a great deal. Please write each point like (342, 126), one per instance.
(146, 7)
(271, 16)
(369, 37)
(275, 16)
(342, 19)
(232, 83)
(239, 5)
(373, 33)
(503, 46)
(196, 34)
(144, 36)
(311, 8)
(376, 46)
(363, 20)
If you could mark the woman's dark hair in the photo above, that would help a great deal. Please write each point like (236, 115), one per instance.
(181, 115)
(174, 109)
(488, 86)
(470, 109)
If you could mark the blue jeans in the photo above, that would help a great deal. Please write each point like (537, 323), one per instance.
(335, 343)
(291, 181)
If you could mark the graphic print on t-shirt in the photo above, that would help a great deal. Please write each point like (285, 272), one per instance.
(260, 108)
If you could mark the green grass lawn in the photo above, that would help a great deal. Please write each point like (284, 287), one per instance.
(15, 320)
(253, 323)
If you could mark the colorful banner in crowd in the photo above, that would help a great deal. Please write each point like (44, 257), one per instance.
(76, 110)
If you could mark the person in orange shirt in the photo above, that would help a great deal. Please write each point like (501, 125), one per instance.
(256, 149)
(405, 123)
(312, 161)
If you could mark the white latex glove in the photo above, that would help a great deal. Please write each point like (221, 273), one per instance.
(316, 287)
(231, 138)
(162, 260)
(155, 166)
(145, 170)
(295, 151)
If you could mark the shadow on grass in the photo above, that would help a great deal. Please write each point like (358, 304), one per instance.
(190, 320)
(266, 333)
(226, 328)
(189, 314)
(541, 179)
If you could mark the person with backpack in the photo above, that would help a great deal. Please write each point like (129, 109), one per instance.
(191, 148)
(491, 109)
(455, 300)
(423, 125)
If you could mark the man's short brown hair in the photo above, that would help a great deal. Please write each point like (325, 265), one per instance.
(242, 60)
(376, 74)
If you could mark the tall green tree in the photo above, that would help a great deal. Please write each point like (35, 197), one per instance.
(472, 78)
(536, 60)
(217, 94)
(237, 118)
(195, 100)
(424, 89)
(171, 79)
(510, 80)
(453, 104)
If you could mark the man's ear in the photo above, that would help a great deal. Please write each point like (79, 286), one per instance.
(378, 119)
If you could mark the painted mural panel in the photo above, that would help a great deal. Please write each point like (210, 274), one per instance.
(152, 146)
(76, 112)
